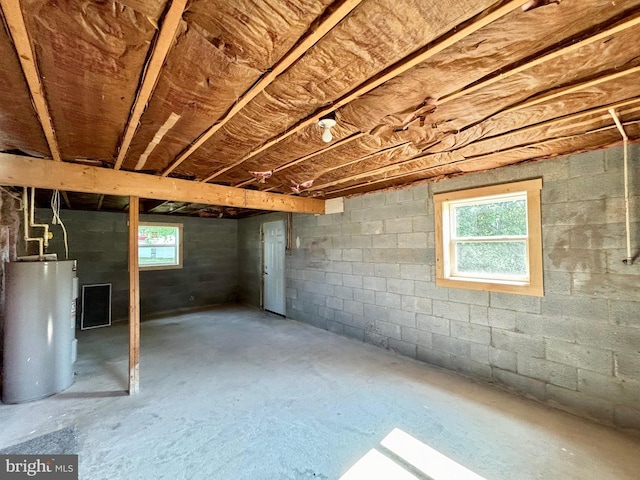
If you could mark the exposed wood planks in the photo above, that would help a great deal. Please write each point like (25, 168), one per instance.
(544, 58)
(26, 171)
(134, 297)
(289, 59)
(398, 68)
(151, 72)
(15, 21)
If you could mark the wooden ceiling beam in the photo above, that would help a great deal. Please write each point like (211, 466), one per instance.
(362, 159)
(65, 197)
(151, 73)
(475, 159)
(352, 162)
(308, 41)
(459, 33)
(555, 121)
(340, 143)
(18, 30)
(32, 172)
(160, 205)
(548, 123)
(620, 27)
(573, 89)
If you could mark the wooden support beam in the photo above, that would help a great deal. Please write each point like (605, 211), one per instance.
(312, 37)
(65, 197)
(18, 30)
(151, 210)
(134, 297)
(573, 89)
(459, 33)
(544, 58)
(33, 172)
(150, 73)
(100, 200)
(339, 143)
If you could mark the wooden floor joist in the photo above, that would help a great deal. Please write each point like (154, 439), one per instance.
(335, 17)
(475, 159)
(33, 172)
(543, 59)
(398, 68)
(493, 139)
(134, 297)
(65, 197)
(15, 22)
(573, 89)
(339, 143)
(151, 72)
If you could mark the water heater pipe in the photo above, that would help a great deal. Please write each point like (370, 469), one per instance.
(42, 241)
(32, 223)
(625, 140)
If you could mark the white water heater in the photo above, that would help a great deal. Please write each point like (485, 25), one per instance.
(39, 329)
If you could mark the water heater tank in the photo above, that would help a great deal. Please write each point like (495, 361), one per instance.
(39, 330)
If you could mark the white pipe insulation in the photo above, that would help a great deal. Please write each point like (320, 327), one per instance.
(29, 221)
(32, 223)
(625, 140)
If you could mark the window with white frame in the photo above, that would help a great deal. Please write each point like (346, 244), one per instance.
(489, 238)
(159, 245)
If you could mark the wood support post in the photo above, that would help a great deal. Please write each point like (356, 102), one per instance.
(134, 298)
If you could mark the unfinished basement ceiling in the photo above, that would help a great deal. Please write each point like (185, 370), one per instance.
(420, 89)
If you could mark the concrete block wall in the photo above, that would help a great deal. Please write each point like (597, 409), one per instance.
(368, 273)
(99, 242)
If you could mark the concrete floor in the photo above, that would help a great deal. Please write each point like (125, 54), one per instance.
(236, 393)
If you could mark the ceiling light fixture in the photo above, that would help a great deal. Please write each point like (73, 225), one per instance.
(326, 123)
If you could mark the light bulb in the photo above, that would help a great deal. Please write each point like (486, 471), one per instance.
(325, 124)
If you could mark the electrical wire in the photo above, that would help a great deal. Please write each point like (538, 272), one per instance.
(56, 220)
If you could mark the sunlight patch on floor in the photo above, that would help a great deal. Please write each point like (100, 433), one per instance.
(433, 464)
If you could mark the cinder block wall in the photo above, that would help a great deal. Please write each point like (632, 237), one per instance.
(99, 242)
(369, 274)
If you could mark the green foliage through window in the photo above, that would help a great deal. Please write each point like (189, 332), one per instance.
(491, 258)
(499, 218)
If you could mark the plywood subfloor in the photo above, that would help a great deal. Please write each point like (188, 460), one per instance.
(235, 393)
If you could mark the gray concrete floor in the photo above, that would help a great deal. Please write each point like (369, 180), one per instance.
(236, 393)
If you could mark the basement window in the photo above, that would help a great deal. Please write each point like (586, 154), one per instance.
(159, 246)
(489, 238)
